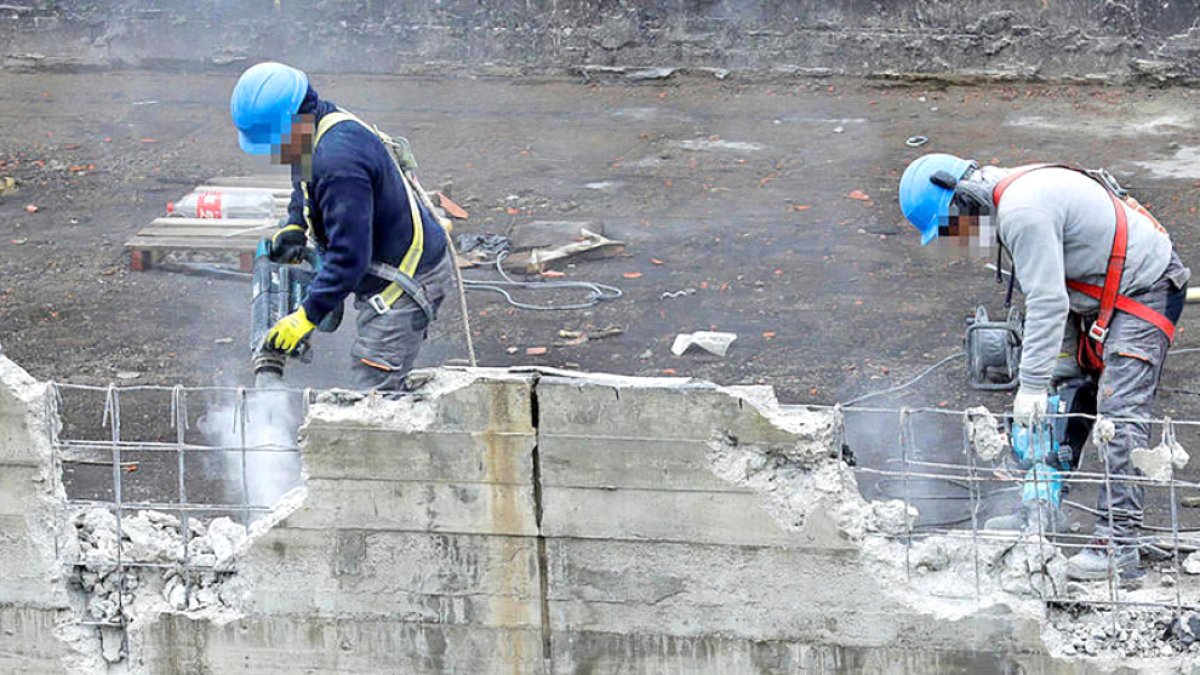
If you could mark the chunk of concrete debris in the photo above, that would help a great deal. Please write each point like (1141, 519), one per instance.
(1191, 564)
(112, 643)
(1157, 463)
(1186, 629)
(710, 341)
(930, 555)
(149, 542)
(227, 538)
(1032, 566)
(892, 517)
(650, 74)
(1104, 431)
(986, 437)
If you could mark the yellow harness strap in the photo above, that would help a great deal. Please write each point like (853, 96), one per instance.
(412, 258)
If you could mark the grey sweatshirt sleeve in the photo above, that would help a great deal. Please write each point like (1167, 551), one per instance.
(1035, 240)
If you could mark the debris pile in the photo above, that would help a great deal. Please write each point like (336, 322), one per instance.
(153, 559)
(1145, 632)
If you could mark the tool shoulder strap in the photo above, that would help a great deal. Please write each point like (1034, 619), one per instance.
(402, 275)
(1109, 295)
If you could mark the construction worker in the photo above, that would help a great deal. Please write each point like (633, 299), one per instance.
(1103, 290)
(374, 235)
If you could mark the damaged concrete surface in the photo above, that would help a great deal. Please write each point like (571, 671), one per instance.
(541, 523)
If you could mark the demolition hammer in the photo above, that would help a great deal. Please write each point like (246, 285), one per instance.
(278, 289)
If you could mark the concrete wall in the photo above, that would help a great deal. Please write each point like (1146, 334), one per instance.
(1024, 39)
(33, 601)
(511, 523)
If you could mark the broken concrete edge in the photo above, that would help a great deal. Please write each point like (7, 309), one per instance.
(45, 518)
(798, 476)
(50, 527)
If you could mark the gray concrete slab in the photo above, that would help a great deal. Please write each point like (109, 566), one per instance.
(437, 456)
(417, 576)
(468, 508)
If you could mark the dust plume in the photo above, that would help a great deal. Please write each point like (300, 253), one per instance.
(268, 420)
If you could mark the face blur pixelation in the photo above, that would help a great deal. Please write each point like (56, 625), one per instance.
(974, 236)
(296, 144)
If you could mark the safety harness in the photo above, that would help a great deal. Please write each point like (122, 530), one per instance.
(402, 276)
(1091, 343)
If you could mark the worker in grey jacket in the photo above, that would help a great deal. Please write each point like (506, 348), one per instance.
(1103, 290)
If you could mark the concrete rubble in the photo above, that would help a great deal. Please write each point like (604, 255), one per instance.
(804, 478)
(985, 433)
(1161, 462)
(150, 572)
(1149, 632)
(153, 537)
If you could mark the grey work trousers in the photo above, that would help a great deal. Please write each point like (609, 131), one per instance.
(388, 343)
(1134, 354)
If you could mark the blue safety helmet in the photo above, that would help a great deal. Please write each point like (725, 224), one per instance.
(926, 203)
(264, 101)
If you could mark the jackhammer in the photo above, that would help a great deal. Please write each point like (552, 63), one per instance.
(278, 289)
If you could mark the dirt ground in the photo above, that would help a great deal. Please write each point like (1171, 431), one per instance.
(744, 192)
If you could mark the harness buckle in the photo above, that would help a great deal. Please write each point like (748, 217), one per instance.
(1097, 333)
(379, 304)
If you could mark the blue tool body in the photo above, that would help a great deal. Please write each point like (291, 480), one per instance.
(1038, 451)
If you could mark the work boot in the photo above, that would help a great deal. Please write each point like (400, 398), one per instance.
(1054, 520)
(1092, 563)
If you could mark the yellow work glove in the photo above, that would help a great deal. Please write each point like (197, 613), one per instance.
(291, 329)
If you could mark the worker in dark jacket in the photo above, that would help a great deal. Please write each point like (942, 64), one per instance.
(374, 235)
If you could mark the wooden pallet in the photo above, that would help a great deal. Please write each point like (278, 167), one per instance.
(239, 236)
(234, 235)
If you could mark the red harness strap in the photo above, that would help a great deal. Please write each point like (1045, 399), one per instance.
(1129, 306)
(998, 191)
(1109, 295)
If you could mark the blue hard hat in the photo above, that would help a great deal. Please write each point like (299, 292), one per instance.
(924, 203)
(264, 101)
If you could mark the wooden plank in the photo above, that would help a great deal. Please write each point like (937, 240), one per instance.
(276, 192)
(214, 232)
(193, 243)
(240, 223)
(267, 181)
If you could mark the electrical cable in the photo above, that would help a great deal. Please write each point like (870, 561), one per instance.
(1148, 528)
(906, 385)
(939, 364)
(597, 292)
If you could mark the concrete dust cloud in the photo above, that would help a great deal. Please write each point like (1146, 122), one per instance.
(268, 418)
